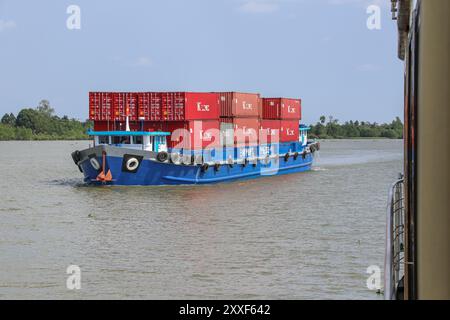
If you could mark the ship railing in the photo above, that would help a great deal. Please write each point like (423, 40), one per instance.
(395, 226)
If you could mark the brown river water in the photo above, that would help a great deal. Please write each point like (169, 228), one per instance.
(301, 236)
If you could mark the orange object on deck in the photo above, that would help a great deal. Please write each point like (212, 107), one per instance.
(102, 176)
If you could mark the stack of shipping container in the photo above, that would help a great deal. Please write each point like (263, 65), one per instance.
(282, 114)
(238, 117)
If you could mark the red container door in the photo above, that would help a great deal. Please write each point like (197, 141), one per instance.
(100, 106)
(271, 108)
(237, 104)
(125, 103)
(172, 106)
(290, 109)
(289, 130)
(270, 131)
(149, 106)
(202, 106)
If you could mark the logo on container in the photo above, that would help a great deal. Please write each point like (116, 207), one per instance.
(291, 109)
(202, 107)
(248, 131)
(206, 136)
(247, 106)
(290, 132)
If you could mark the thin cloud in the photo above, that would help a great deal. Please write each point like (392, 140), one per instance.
(6, 24)
(258, 7)
(143, 62)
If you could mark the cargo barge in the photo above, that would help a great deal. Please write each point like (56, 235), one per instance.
(173, 138)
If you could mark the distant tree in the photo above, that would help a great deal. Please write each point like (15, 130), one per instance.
(45, 108)
(25, 118)
(322, 119)
(9, 119)
(354, 129)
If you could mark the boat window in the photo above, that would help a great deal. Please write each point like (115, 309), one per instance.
(138, 139)
(121, 140)
(103, 140)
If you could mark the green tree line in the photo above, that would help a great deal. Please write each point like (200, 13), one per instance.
(332, 129)
(41, 124)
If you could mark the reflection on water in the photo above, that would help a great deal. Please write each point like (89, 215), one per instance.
(308, 235)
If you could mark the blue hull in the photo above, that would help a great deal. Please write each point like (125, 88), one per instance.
(152, 172)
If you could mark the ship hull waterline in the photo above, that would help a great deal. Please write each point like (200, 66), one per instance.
(152, 172)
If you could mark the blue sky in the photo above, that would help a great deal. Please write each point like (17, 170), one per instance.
(318, 50)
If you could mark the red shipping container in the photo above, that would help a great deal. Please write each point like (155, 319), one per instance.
(246, 130)
(270, 131)
(103, 126)
(149, 106)
(197, 134)
(125, 103)
(100, 106)
(289, 130)
(185, 106)
(237, 104)
(281, 108)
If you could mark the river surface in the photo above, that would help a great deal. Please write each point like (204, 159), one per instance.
(301, 236)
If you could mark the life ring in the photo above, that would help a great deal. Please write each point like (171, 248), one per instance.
(174, 157)
(217, 167)
(295, 156)
(205, 167)
(132, 164)
(162, 156)
(94, 163)
(286, 157)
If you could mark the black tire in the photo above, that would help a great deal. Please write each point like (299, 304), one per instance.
(76, 156)
(205, 167)
(217, 167)
(295, 156)
(162, 156)
(304, 155)
(131, 163)
(286, 157)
